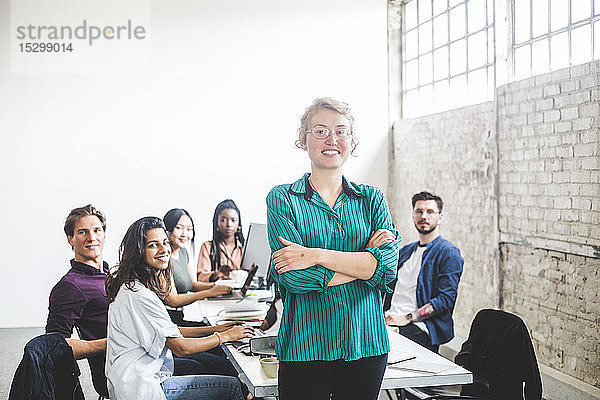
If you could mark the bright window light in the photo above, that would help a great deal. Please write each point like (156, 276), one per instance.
(540, 57)
(559, 51)
(476, 15)
(563, 33)
(425, 41)
(440, 63)
(559, 14)
(458, 57)
(457, 22)
(424, 10)
(522, 62)
(477, 50)
(580, 10)
(539, 13)
(448, 49)
(581, 48)
(440, 30)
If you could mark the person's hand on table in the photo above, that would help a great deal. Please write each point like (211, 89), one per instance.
(218, 290)
(293, 257)
(380, 237)
(237, 332)
(396, 320)
(227, 325)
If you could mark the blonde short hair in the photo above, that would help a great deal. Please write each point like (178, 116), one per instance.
(319, 104)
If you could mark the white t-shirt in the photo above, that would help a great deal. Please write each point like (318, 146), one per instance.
(404, 299)
(137, 360)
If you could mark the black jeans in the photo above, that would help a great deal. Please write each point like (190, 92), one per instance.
(343, 380)
(177, 319)
(418, 335)
(203, 364)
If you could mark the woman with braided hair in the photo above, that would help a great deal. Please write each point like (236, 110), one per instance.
(219, 256)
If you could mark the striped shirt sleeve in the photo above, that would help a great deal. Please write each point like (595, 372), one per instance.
(386, 254)
(280, 222)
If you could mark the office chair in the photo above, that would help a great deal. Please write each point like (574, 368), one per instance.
(500, 355)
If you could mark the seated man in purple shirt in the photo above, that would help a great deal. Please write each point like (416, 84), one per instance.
(79, 298)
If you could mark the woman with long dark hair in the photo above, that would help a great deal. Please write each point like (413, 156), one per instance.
(224, 252)
(334, 252)
(185, 289)
(141, 336)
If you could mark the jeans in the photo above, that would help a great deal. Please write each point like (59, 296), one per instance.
(344, 380)
(202, 387)
(204, 364)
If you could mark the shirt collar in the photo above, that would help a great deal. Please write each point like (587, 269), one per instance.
(434, 242)
(302, 187)
(429, 245)
(88, 269)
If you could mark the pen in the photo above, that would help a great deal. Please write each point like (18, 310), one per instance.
(402, 360)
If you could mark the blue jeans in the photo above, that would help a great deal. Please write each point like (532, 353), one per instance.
(202, 387)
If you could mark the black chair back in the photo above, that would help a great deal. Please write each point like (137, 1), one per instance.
(500, 354)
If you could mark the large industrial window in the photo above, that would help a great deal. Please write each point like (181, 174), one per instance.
(448, 56)
(552, 34)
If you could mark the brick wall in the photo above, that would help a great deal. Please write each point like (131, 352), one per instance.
(549, 214)
(548, 140)
(452, 154)
(520, 176)
(557, 295)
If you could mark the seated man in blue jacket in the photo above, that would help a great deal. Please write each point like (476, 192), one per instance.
(428, 274)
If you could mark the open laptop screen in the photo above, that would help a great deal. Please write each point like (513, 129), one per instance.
(257, 250)
(248, 281)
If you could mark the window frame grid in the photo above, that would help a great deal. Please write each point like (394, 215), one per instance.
(550, 34)
(488, 27)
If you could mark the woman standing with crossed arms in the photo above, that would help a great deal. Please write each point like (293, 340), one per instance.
(334, 251)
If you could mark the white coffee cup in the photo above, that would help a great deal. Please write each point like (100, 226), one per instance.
(239, 276)
(270, 366)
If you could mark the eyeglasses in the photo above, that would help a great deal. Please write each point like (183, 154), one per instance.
(188, 229)
(420, 212)
(322, 133)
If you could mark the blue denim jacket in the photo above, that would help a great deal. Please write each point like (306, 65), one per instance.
(437, 284)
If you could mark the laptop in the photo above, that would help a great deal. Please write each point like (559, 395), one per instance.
(257, 250)
(239, 294)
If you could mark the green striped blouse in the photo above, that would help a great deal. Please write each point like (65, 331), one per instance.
(339, 322)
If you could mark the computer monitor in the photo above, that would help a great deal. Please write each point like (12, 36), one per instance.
(257, 250)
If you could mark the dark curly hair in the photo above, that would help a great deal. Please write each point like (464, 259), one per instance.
(132, 264)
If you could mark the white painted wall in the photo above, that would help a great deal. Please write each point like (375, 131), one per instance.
(215, 118)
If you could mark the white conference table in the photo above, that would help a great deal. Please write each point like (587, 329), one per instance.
(411, 373)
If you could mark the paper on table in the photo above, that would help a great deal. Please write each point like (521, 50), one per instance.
(422, 366)
(243, 314)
